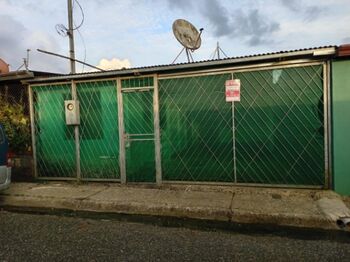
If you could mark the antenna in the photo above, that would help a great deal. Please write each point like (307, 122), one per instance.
(217, 52)
(188, 36)
(218, 49)
(25, 62)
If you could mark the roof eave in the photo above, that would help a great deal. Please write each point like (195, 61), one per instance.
(16, 75)
(314, 53)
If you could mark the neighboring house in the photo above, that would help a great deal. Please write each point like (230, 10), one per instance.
(15, 94)
(11, 87)
(171, 123)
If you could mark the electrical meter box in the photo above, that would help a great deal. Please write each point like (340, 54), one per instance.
(72, 112)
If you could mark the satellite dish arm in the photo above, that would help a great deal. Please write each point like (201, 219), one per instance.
(178, 55)
(199, 37)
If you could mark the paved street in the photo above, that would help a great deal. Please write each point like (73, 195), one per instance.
(29, 237)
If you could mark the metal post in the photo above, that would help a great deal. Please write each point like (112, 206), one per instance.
(218, 49)
(121, 133)
(234, 142)
(234, 139)
(326, 124)
(32, 128)
(76, 135)
(71, 36)
(329, 124)
(157, 132)
(188, 55)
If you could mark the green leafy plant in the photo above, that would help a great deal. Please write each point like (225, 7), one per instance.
(16, 124)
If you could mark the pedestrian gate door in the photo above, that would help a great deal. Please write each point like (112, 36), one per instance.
(137, 97)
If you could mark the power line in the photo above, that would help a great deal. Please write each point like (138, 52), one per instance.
(83, 41)
(62, 30)
(82, 14)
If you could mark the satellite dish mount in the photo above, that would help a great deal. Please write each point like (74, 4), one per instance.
(188, 36)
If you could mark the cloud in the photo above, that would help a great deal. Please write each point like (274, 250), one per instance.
(114, 63)
(141, 30)
(248, 23)
(292, 5)
(10, 44)
(217, 16)
(15, 39)
(312, 13)
(253, 25)
(346, 40)
(309, 13)
(180, 4)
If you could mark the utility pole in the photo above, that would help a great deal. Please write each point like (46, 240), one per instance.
(71, 37)
(73, 85)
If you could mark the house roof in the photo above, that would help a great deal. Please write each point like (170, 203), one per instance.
(24, 75)
(315, 53)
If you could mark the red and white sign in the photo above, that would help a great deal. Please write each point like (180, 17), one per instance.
(233, 90)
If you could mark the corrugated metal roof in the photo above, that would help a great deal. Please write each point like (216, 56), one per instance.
(211, 60)
(25, 74)
(187, 65)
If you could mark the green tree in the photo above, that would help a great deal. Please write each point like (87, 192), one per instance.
(16, 124)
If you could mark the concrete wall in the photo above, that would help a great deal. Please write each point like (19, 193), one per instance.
(341, 125)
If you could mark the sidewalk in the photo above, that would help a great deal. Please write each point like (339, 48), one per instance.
(280, 207)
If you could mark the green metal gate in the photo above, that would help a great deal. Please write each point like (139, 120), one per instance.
(54, 140)
(196, 129)
(279, 127)
(98, 130)
(126, 133)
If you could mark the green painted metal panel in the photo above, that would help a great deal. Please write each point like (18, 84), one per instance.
(98, 130)
(196, 129)
(139, 130)
(137, 82)
(341, 126)
(54, 139)
(278, 124)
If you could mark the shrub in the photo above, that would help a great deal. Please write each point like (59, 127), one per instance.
(16, 124)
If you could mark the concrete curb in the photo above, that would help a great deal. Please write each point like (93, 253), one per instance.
(222, 215)
(173, 203)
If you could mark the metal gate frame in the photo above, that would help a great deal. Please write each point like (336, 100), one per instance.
(32, 129)
(156, 77)
(269, 66)
(74, 90)
(122, 159)
(73, 84)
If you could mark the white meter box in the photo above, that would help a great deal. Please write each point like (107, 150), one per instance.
(72, 112)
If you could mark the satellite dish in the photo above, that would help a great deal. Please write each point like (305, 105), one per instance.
(187, 34)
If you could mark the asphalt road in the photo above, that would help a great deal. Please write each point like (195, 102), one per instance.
(31, 237)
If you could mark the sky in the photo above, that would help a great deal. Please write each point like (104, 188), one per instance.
(136, 33)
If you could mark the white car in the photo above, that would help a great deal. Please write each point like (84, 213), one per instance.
(5, 168)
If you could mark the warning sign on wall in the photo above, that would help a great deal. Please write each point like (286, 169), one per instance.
(233, 90)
